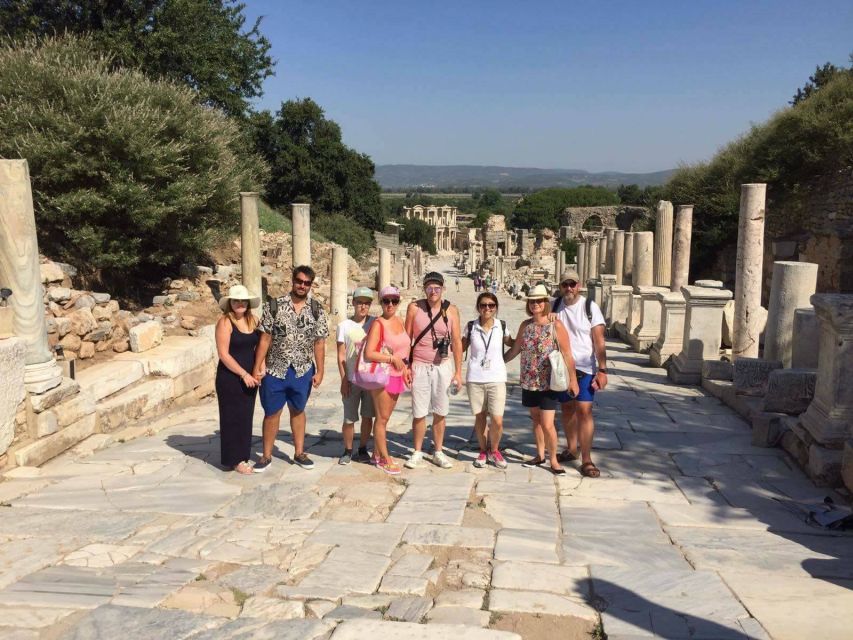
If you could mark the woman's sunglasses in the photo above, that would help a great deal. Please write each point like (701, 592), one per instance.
(488, 305)
(390, 300)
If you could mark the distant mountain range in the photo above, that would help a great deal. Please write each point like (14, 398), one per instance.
(410, 176)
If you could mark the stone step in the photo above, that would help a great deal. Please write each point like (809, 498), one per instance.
(145, 399)
(176, 356)
(103, 380)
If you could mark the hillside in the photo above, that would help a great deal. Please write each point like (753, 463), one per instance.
(407, 176)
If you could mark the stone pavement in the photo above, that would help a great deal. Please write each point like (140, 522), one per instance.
(689, 533)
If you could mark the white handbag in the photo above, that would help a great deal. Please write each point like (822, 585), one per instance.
(559, 375)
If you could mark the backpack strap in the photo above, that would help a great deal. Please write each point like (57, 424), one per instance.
(589, 310)
(469, 329)
(555, 305)
(315, 308)
(441, 314)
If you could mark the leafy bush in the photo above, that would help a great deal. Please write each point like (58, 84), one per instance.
(130, 176)
(542, 209)
(418, 232)
(345, 231)
(271, 220)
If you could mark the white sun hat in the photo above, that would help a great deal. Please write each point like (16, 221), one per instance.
(238, 292)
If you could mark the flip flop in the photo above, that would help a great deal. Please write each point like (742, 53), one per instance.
(589, 470)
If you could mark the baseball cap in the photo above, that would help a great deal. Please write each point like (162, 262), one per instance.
(363, 292)
(389, 292)
(570, 274)
(434, 276)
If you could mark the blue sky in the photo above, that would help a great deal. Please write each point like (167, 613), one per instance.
(622, 86)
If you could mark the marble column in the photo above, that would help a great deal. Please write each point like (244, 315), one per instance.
(592, 254)
(405, 275)
(663, 245)
(748, 273)
(581, 260)
(671, 337)
(338, 287)
(301, 216)
(20, 272)
(384, 268)
(250, 245)
(609, 263)
(792, 286)
(829, 418)
(681, 247)
(618, 255)
(628, 259)
(603, 245)
(643, 272)
(703, 328)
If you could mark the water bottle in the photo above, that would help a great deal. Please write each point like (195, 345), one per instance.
(453, 389)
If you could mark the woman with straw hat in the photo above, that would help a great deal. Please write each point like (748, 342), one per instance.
(536, 339)
(236, 340)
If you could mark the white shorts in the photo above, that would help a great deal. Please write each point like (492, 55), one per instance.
(430, 384)
(487, 396)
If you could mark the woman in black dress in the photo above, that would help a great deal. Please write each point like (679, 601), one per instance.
(236, 339)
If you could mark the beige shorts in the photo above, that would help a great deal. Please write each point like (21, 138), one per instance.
(430, 384)
(488, 396)
(358, 397)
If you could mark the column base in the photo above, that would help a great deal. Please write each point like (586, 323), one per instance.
(827, 427)
(660, 355)
(684, 371)
(42, 376)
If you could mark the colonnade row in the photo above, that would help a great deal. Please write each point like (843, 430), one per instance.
(800, 347)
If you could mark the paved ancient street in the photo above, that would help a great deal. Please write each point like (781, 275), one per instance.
(690, 533)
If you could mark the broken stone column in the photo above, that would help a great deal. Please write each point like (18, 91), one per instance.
(250, 245)
(301, 217)
(642, 274)
(703, 324)
(792, 285)
(829, 418)
(806, 345)
(339, 285)
(663, 245)
(20, 272)
(628, 260)
(592, 273)
(670, 340)
(581, 260)
(405, 275)
(608, 258)
(681, 247)
(602, 253)
(384, 276)
(618, 255)
(750, 257)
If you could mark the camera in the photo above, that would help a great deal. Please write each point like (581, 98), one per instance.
(442, 345)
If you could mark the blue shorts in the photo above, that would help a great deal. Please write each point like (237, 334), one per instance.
(585, 391)
(292, 390)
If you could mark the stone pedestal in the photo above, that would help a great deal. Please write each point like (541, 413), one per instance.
(607, 282)
(806, 343)
(748, 275)
(702, 333)
(643, 271)
(19, 271)
(628, 259)
(594, 291)
(618, 255)
(671, 337)
(792, 285)
(250, 245)
(12, 354)
(681, 248)
(384, 276)
(620, 308)
(339, 285)
(709, 284)
(647, 332)
(829, 418)
(634, 315)
(663, 245)
(301, 217)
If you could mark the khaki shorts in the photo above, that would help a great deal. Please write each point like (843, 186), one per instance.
(358, 396)
(487, 396)
(430, 383)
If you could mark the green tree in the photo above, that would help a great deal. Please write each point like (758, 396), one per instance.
(310, 163)
(202, 43)
(130, 176)
(346, 232)
(418, 232)
(817, 80)
(542, 209)
(490, 198)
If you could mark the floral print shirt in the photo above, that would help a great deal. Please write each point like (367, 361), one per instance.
(293, 336)
(537, 342)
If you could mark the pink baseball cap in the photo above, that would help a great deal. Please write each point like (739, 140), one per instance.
(389, 292)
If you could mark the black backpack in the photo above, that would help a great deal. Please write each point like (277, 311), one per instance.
(556, 305)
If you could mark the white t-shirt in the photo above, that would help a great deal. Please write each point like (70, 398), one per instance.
(575, 321)
(486, 366)
(351, 334)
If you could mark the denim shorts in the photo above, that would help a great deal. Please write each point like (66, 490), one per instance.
(585, 391)
(292, 390)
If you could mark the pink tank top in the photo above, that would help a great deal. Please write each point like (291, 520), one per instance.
(424, 350)
(398, 342)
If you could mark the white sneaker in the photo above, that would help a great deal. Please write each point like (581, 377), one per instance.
(414, 460)
(439, 459)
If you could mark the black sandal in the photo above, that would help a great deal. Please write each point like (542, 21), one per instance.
(589, 470)
(558, 472)
(566, 456)
(533, 462)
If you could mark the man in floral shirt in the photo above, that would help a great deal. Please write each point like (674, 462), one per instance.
(289, 362)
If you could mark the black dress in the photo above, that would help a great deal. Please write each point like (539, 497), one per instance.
(236, 400)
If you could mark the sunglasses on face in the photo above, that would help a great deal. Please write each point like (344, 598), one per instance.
(432, 289)
(569, 284)
(538, 301)
(303, 283)
(390, 300)
(367, 302)
(488, 305)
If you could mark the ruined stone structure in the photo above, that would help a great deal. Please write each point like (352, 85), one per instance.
(443, 218)
(615, 217)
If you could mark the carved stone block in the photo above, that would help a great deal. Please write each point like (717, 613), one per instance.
(790, 390)
(716, 370)
(751, 375)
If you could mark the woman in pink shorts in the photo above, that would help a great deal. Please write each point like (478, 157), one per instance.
(387, 343)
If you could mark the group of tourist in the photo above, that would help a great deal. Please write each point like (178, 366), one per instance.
(563, 364)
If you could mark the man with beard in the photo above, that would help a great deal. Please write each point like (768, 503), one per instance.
(289, 362)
